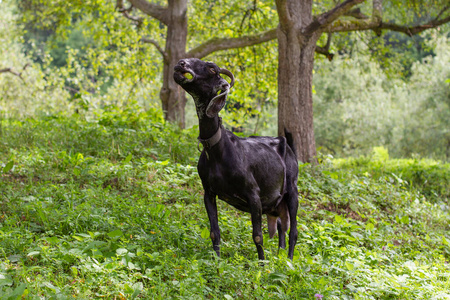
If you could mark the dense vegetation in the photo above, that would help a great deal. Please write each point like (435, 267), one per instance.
(112, 207)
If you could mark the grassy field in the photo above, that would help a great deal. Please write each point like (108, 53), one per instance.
(112, 208)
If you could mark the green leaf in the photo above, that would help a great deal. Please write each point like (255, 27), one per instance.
(78, 238)
(135, 293)
(349, 265)
(164, 163)
(52, 240)
(121, 251)
(115, 233)
(205, 233)
(334, 175)
(5, 280)
(34, 253)
(128, 289)
(8, 166)
(17, 293)
(405, 220)
(370, 226)
(51, 286)
(76, 171)
(277, 276)
(338, 219)
(128, 158)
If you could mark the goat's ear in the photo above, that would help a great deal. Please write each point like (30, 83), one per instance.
(216, 104)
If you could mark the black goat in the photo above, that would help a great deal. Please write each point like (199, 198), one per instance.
(256, 174)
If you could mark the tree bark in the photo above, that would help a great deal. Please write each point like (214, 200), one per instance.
(172, 97)
(295, 71)
(295, 105)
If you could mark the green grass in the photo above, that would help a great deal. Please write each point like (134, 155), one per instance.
(112, 208)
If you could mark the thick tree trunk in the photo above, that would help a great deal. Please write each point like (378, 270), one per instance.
(295, 71)
(295, 105)
(172, 96)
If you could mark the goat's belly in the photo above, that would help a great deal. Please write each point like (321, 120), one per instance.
(235, 201)
(267, 204)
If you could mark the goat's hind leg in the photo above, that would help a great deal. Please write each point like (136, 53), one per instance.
(292, 205)
(256, 215)
(282, 223)
(281, 235)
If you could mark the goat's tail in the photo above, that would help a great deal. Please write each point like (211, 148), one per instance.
(290, 140)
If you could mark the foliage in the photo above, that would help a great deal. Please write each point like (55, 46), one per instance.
(358, 107)
(102, 60)
(39, 89)
(95, 49)
(112, 207)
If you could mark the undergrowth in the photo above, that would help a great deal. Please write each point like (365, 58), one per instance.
(112, 208)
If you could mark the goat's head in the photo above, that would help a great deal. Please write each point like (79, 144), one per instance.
(203, 82)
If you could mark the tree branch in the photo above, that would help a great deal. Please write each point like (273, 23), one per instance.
(442, 11)
(326, 50)
(356, 13)
(10, 70)
(283, 13)
(125, 12)
(158, 47)
(154, 10)
(413, 30)
(217, 44)
(330, 16)
(341, 26)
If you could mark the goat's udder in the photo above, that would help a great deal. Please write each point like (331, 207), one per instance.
(272, 225)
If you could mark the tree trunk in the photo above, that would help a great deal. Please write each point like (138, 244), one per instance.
(295, 71)
(172, 96)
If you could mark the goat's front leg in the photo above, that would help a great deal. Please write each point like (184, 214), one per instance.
(211, 209)
(256, 212)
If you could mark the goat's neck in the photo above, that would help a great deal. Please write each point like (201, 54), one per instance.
(208, 127)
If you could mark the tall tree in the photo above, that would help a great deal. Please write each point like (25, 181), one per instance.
(298, 33)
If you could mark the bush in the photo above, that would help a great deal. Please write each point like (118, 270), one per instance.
(428, 176)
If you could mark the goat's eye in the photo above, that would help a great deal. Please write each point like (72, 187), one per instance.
(212, 70)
